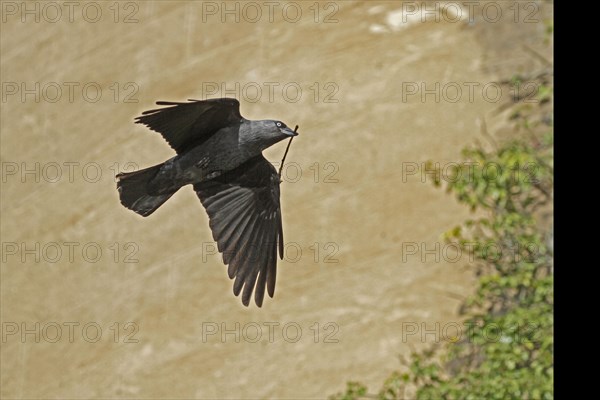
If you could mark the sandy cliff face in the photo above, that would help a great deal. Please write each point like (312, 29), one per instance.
(142, 308)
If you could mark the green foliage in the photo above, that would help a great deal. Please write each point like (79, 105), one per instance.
(513, 179)
(354, 390)
(508, 350)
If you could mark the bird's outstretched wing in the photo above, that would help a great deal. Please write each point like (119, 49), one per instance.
(245, 219)
(186, 125)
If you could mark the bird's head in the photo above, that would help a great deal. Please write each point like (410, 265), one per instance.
(267, 132)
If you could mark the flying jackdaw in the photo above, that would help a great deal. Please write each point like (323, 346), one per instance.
(219, 152)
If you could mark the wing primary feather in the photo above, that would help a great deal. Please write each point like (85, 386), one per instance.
(279, 234)
(225, 219)
(229, 247)
(265, 257)
(252, 258)
(238, 257)
(259, 292)
(272, 271)
(236, 232)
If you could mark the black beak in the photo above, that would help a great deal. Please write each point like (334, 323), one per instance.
(289, 132)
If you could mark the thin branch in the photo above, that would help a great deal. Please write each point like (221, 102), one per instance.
(286, 151)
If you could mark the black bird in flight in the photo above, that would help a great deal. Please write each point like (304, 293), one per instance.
(219, 152)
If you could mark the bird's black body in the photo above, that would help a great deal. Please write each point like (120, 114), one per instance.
(220, 153)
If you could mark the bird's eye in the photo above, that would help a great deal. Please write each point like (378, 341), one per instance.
(279, 124)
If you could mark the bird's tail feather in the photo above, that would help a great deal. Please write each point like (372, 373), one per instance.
(133, 191)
